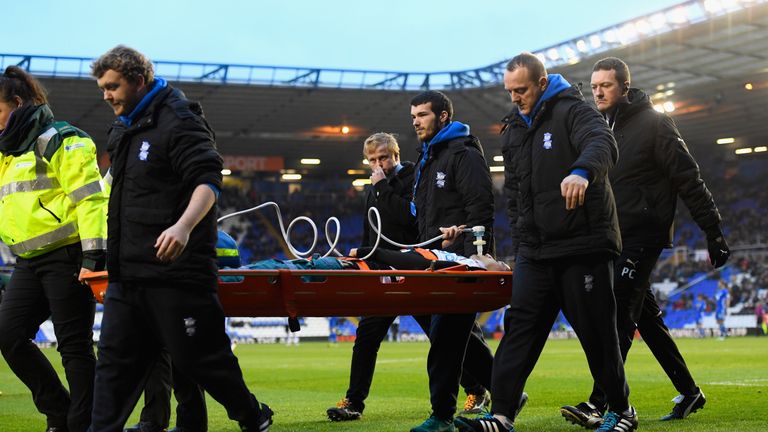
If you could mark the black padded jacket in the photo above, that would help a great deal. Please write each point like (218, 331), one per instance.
(565, 134)
(157, 162)
(655, 167)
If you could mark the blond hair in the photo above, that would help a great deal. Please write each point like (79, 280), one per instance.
(381, 139)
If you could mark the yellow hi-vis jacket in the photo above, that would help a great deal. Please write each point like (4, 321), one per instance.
(53, 195)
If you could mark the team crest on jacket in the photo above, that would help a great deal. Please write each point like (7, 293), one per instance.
(144, 150)
(547, 140)
(440, 180)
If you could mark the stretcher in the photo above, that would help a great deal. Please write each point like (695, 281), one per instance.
(318, 293)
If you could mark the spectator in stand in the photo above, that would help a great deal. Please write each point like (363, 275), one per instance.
(760, 318)
(722, 302)
(700, 307)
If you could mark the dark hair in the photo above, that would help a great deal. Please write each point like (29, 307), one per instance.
(536, 68)
(439, 101)
(130, 63)
(615, 64)
(15, 81)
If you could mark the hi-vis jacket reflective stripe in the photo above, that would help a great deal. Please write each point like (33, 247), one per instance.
(53, 195)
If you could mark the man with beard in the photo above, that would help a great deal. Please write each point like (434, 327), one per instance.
(390, 192)
(452, 186)
(161, 254)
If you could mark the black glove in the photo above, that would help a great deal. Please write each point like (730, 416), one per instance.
(94, 260)
(718, 248)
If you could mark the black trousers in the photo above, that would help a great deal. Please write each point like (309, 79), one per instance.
(371, 331)
(448, 337)
(41, 287)
(140, 320)
(191, 411)
(636, 308)
(582, 287)
(157, 393)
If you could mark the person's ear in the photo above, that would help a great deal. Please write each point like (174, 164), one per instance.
(543, 83)
(141, 83)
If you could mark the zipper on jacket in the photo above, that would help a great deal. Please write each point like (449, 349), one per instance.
(44, 208)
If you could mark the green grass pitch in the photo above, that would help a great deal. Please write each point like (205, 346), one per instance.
(299, 383)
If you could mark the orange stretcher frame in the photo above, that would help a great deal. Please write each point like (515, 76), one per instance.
(289, 293)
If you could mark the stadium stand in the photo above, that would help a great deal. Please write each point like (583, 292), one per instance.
(695, 57)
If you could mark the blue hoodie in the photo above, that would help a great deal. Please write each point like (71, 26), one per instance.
(555, 84)
(159, 85)
(452, 130)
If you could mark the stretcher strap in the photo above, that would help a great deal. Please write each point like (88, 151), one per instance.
(426, 253)
(361, 265)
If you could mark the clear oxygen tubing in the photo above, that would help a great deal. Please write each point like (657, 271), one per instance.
(286, 233)
(379, 235)
(478, 231)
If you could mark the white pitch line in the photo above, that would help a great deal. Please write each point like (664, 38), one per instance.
(758, 382)
(403, 360)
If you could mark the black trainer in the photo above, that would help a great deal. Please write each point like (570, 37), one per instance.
(262, 423)
(523, 401)
(686, 405)
(144, 427)
(584, 414)
(488, 421)
(485, 423)
(619, 422)
(344, 411)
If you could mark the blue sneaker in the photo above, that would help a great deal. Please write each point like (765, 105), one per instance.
(486, 423)
(619, 422)
(435, 424)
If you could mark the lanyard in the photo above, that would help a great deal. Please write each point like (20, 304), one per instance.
(424, 156)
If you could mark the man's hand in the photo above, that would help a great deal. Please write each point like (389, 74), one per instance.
(352, 253)
(450, 234)
(83, 271)
(171, 242)
(718, 248)
(377, 175)
(573, 188)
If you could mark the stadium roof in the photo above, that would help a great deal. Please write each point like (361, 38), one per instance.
(696, 57)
